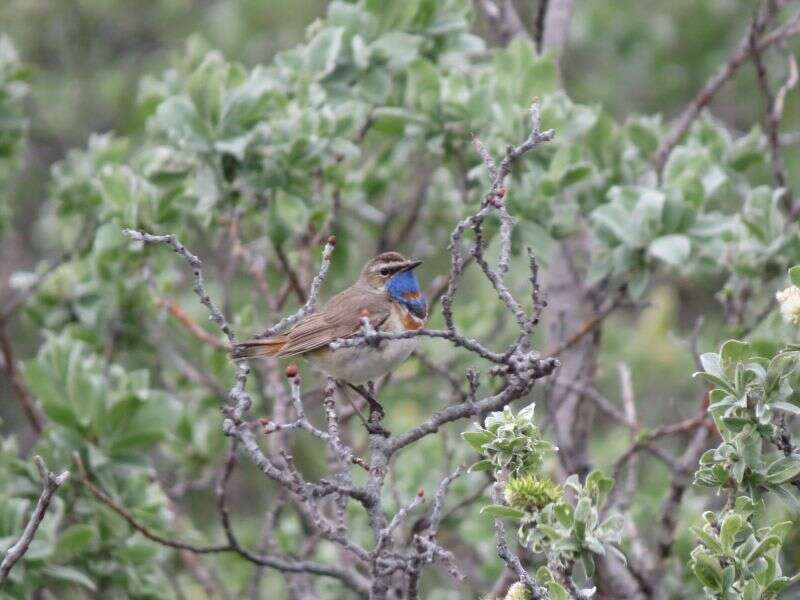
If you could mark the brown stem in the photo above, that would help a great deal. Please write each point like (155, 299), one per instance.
(726, 72)
(21, 391)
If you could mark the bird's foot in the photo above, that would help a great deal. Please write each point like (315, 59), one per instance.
(373, 423)
(376, 415)
(377, 429)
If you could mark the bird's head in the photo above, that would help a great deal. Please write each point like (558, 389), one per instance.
(394, 273)
(379, 270)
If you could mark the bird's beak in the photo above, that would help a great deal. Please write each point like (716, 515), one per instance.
(412, 264)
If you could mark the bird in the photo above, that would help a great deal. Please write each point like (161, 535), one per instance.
(387, 293)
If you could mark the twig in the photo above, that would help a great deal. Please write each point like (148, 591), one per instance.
(103, 497)
(626, 391)
(196, 265)
(773, 105)
(185, 320)
(726, 72)
(680, 480)
(504, 20)
(21, 391)
(51, 483)
(313, 295)
(291, 273)
(278, 563)
(587, 326)
(539, 25)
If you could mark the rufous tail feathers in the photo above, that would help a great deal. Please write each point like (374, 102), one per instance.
(258, 347)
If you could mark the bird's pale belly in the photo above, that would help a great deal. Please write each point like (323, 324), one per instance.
(362, 363)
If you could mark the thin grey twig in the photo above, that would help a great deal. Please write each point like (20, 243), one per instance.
(18, 549)
(726, 72)
(313, 294)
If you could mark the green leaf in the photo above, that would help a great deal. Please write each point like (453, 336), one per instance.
(477, 439)
(500, 511)
(557, 591)
(69, 575)
(784, 469)
(563, 513)
(711, 542)
(762, 547)
(74, 540)
(522, 74)
(482, 465)
(794, 275)
(615, 219)
(637, 283)
(751, 591)
(376, 85)
(781, 530)
(707, 569)
(398, 48)
(730, 527)
(583, 510)
(393, 120)
(673, 249)
(599, 486)
(177, 117)
(747, 150)
(785, 406)
(576, 173)
(55, 405)
(423, 86)
(712, 364)
(323, 50)
(734, 351)
(786, 493)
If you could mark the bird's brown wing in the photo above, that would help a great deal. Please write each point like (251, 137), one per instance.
(339, 318)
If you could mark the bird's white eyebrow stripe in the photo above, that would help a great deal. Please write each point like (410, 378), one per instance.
(392, 265)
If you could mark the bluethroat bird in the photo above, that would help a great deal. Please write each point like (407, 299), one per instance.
(387, 293)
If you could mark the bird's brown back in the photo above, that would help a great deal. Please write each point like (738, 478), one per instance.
(339, 318)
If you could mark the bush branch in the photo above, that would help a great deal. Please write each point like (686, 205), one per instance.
(51, 483)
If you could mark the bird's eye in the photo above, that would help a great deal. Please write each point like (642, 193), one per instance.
(384, 271)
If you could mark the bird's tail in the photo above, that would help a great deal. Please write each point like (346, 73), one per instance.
(258, 347)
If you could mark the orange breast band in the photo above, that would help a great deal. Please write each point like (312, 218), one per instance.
(410, 322)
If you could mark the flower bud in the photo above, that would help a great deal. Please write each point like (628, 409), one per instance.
(527, 493)
(518, 591)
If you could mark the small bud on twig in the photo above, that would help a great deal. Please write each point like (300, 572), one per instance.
(420, 493)
(332, 240)
(292, 371)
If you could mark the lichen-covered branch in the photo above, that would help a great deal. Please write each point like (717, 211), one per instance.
(18, 549)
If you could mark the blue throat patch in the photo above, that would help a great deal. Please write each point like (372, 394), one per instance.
(403, 288)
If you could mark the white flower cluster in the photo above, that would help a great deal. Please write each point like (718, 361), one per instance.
(789, 300)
